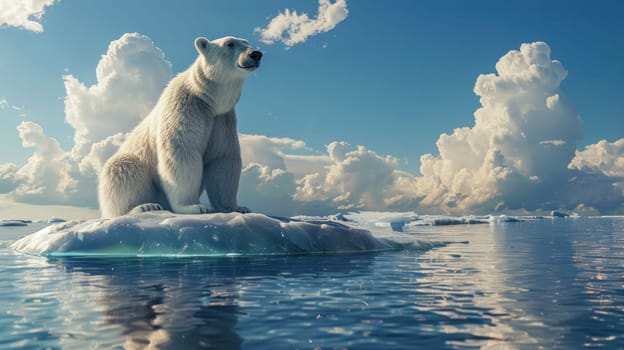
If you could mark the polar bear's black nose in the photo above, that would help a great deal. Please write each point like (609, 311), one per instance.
(256, 55)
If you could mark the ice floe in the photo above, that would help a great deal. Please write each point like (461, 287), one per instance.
(166, 234)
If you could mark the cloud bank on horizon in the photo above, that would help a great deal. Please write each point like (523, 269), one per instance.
(519, 155)
(292, 28)
(23, 14)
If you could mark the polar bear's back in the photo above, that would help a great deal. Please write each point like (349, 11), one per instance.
(142, 141)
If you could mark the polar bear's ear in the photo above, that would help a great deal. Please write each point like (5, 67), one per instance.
(202, 45)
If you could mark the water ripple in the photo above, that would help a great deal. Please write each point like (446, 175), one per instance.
(539, 284)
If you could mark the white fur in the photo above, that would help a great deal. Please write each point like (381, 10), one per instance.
(188, 143)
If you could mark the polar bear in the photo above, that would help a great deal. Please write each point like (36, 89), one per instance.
(188, 143)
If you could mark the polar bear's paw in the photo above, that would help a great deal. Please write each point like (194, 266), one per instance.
(242, 210)
(146, 207)
(192, 209)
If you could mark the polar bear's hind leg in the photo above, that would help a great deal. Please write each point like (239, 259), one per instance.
(126, 184)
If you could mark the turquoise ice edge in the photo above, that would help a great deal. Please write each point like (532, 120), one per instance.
(164, 234)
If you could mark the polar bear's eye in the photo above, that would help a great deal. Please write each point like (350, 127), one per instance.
(230, 44)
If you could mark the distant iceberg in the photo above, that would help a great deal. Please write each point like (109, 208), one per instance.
(394, 220)
(398, 221)
(437, 220)
(166, 234)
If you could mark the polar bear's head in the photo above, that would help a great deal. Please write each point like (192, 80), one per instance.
(229, 56)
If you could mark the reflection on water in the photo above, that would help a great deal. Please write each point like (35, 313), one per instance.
(552, 284)
(176, 304)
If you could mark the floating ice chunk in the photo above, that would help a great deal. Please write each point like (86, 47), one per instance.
(52, 220)
(398, 220)
(559, 214)
(334, 217)
(563, 214)
(440, 220)
(381, 216)
(14, 222)
(167, 234)
(503, 218)
(394, 220)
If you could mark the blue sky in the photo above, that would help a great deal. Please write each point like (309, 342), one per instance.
(393, 76)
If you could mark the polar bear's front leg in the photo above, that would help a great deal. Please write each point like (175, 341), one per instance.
(181, 178)
(221, 178)
(222, 173)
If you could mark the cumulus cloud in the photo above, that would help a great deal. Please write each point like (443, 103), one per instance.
(292, 28)
(46, 173)
(516, 154)
(268, 151)
(24, 14)
(7, 177)
(356, 178)
(346, 177)
(268, 190)
(603, 157)
(130, 77)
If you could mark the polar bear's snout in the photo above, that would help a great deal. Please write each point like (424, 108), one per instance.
(250, 59)
(255, 55)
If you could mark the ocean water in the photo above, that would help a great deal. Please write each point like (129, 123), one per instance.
(538, 284)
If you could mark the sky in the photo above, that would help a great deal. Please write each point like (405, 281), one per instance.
(451, 107)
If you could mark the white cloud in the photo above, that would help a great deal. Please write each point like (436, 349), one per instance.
(346, 177)
(130, 77)
(267, 150)
(24, 14)
(555, 143)
(268, 190)
(604, 157)
(7, 177)
(516, 154)
(268, 182)
(46, 175)
(292, 28)
(357, 178)
(99, 153)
